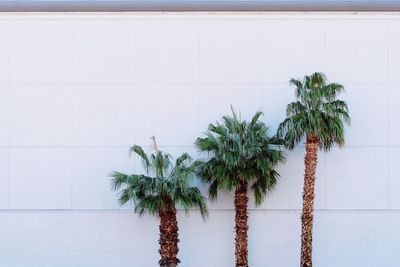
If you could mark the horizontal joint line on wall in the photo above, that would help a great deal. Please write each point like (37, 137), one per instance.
(199, 83)
(211, 211)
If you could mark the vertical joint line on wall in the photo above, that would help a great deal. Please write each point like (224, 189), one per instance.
(198, 101)
(134, 54)
(8, 150)
(325, 180)
(9, 62)
(72, 151)
(261, 29)
(325, 45)
(387, 91)
(134, 89)
(387, 78)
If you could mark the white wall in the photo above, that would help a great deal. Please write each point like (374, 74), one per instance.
(77, 90)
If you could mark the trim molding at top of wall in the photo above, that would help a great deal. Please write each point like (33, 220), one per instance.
(199, 5)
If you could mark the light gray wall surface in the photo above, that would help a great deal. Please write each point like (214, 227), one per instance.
(76, 90)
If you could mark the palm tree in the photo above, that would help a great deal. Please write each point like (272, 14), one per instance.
(159, 192)
(318, 117)
(241, 155)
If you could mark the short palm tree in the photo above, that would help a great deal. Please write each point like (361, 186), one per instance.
(159, 192)
(319, 117)
(241, 155)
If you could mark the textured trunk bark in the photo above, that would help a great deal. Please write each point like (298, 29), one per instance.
(168, 238)
(241, 228)
(310, 162)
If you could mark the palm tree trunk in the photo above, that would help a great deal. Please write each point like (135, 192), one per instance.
(310, 162)
(168, 238)
(241, 200)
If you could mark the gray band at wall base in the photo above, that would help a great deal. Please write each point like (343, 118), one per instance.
(198, 5)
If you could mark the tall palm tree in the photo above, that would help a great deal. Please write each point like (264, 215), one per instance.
(319, 117)
(159, 192)
(241, 155)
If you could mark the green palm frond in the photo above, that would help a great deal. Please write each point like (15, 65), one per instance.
(317, 112)
(239, 151)
(160, 162)
(139, 151)
(256, 118)
(167, 188)
(191, 197)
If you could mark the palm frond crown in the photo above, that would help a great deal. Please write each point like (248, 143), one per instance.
(164, 185)
(317, 112)
(239, 152)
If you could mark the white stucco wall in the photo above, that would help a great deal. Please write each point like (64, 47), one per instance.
(76, 90)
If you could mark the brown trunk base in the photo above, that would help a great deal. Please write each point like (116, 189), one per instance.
(168, 238)
(310, 162)
(241, 227)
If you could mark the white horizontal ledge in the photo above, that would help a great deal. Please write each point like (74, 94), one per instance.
(198, 5)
